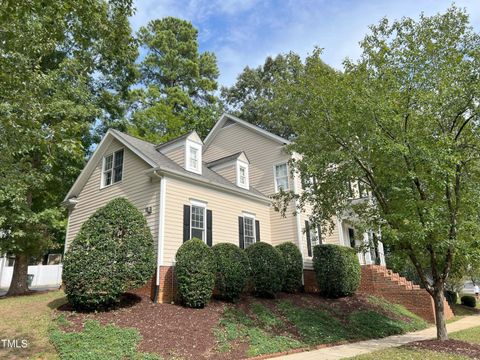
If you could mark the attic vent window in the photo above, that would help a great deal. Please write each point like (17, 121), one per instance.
(242, 175)
(112, 168)
(193, 157)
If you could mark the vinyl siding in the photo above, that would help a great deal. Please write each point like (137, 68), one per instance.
(262, 153)
(135, 186)
(229, 172)
(226, 208)
(177, 154)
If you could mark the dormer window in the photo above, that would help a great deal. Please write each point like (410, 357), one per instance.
(112, 171)
(242, 175)
(194, 157)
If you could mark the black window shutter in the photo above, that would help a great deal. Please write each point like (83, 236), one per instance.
(209, 227)
(186, 222)
(309, 242)
(241, 240)
(257, 230)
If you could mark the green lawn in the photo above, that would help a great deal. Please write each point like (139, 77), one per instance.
(470, 335)
(31, 318)
(286, 325)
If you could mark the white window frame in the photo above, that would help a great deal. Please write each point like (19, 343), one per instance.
(112, 169)
(313, 231)
(246, 184)
(198, 147)
(252, 217)
(275, 176)
(203, 205)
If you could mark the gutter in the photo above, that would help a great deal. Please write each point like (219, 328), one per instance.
(158, 170)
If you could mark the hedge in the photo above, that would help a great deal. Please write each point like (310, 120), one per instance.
(337, 270)
(469, 301)
(267, 269)
(112, 252)
(293, 266)
(451, 297)
(232, 270)
(195, 271)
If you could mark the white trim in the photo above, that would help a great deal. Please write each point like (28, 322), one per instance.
(255, 128)
(67, 231)
(298, 221)
(203, 205)
(95, 158)
(161, 222)
(242, 164)
(205, 182)
(102, 176)
(288, 176)
(190, 144)
(254, 226)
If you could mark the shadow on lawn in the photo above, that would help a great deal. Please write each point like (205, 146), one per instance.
(127, 300)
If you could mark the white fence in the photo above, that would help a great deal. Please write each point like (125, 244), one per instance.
(43, 275)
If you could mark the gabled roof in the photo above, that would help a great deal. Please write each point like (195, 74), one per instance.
(227, 159)
(159, 162)
(231, 118)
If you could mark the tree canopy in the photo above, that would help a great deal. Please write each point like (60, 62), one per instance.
(177, 83)
(64, 66)
(403, 120)
(253, 97)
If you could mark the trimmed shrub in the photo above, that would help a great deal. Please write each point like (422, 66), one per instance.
(195, 270)
(267, 269)
(451, 297)
(232, 270)
(293, 266)
(113, 252)
(337, 270)
(469, 301)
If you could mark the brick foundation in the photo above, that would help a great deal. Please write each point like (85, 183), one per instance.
(167, 289)
(310, 282)
(379, 281)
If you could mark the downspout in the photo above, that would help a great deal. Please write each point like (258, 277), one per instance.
(161, 224)
(299, 228)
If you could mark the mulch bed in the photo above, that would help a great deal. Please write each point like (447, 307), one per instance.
(456, 347)
(176, 331)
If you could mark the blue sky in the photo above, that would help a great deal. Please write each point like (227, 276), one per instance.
(244, 32)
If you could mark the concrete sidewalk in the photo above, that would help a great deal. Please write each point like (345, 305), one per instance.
(365, 347)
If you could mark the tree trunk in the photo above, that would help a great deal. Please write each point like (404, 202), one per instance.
(18, 286)
(439, 301)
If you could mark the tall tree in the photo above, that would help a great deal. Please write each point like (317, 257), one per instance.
(404, 121)
(178, 83)
(253, 96)
(60, 62)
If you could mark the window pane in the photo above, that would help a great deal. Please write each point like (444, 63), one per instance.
(118, 166)
(197, 233)
(242, 176)
(108, 162)
(193, 158)
(118, 174)
(107, 176)
(282, 183)
(249, 231)
(281, 176)
(281, 170)
(197, 217)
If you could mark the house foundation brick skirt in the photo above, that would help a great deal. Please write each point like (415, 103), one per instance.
(379, 281)
(168, 286)
(310, 282)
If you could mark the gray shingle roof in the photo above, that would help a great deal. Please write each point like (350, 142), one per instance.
(165, 163)
(224, 159)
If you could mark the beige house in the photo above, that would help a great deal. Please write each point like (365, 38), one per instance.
(217, 190)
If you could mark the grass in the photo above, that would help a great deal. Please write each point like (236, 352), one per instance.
(97, 342)
(29, 317)
(284, 325)
(470, 335)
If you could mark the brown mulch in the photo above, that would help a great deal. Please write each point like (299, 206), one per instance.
(456, 347)
(176, 331)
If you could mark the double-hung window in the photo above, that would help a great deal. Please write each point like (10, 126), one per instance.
(194, 157)
(197, 226)
(249, 230)
(313, 236)
(242, 175)
(112, 168)
(281, 177)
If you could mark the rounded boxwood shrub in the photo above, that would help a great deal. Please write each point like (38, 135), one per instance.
(469, 301)
(195, 270)
(337, 270)
(113, 252)
(267, 269)
(232, 270)
(293, 266)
